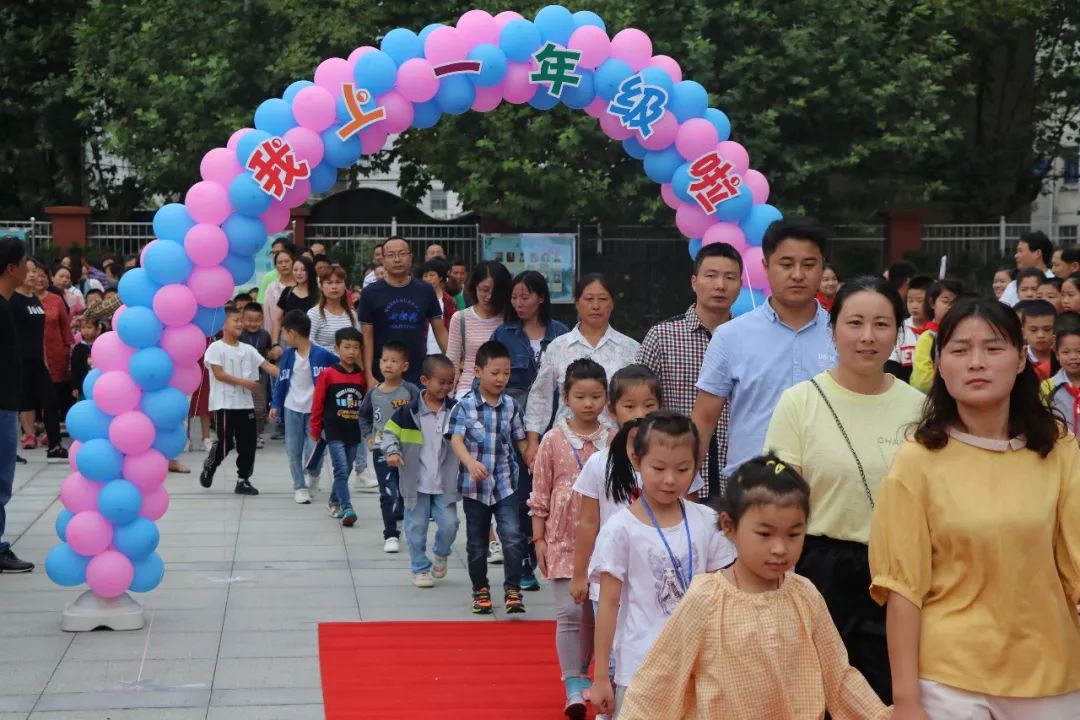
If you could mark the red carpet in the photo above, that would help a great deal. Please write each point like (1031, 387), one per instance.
(443, 670)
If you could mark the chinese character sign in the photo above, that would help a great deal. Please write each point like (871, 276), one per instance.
(275, 167)
(638, 105)
(558, 68)
(355, 99)
(713, 181)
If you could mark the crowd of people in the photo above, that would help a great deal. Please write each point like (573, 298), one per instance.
(862, 497)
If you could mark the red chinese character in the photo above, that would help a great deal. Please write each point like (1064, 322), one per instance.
(354, 102)
(714, 181)
(275, 167)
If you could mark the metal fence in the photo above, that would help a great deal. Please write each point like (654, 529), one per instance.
(459, 241)
(36, 233)
(119, 238)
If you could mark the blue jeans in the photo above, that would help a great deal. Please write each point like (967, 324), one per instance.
(393, 509)
(298, 445)
(342, 457)
(9, 443)
(416, 529)
(478, 526)
(360, 464)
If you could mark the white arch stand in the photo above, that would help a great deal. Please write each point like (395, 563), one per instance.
(90, 612)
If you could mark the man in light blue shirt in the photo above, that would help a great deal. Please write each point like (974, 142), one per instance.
(755, 357)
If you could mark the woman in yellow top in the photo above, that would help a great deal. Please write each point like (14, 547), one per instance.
(975, 545)
(840, 430)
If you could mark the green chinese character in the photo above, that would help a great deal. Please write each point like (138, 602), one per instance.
(557, 67)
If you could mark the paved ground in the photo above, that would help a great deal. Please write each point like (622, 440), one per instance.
(232, 630)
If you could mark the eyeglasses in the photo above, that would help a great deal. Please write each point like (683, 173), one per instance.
(395, 255)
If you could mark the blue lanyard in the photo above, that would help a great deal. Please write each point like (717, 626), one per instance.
(577, 457)
(689, 544)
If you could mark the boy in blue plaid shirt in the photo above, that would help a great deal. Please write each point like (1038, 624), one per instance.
(484, 427)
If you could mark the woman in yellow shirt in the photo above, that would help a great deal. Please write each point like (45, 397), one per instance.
(975, 544)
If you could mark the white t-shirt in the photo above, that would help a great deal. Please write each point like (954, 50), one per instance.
(301, 386)
(240, 360)
(323, 328)
(632, 551)
(904, 352)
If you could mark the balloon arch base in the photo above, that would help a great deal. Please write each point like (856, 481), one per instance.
(92, 612)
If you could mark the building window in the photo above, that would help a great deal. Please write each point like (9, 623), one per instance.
(1071, 171)
(438, 200)
(1067, 234)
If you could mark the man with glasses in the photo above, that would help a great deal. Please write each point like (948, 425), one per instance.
(399, 308)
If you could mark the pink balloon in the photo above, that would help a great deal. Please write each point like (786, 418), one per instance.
(115, 392)
(416, 80)
(478, 27)
(596, 108)
(306, 143)
(110, 353)
(89, 532)
(73, 450)
(725, 232)
(663, 134)
(487, 98)
(206, 245)
(735, 154)
(355, 54)
(613, 128)
(220, 166)
(298, 195)
(399, 112)
(506, 16)
(692, 220)
(633, 47)
(517, 89)
(672, 200)
(155, 503)
(668, 65)
(175, 306)
(594, 45)
(185, 343)
(79, 494)
(208, 202)
(235, 138)
(277, 217)
(146, 470)
(695, 138)
(759, 186)
(753, 263)
(110, 574)
(119, 312)
(187, 378)
(373, 140)
(314, 108)
(332, 74)
(131, 433)
(445, 45)
(212, 286)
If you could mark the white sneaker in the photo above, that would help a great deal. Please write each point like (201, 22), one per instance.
(301, 496)
(423, 580)
(313, 484)
(206, 444)
(366, 481)
(495, 554)
(438, 568)
(391, 545)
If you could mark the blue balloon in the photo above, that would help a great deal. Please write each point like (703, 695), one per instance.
(137, 289)
(542, 99)
(402, 44)
(241, 268)
(274, 116)
(137, 540)
(584, 93)
(494, 62)
(66, 567)
(246, 234)
(689, 100)
(609, 76)
(247, 144)
(658, 77)
(694, 247)
(338, 153)
(376, 72)
(588, 17)
(343, 114)
(247, 197)
(719, 121)
(519, 39)
(323, 177)
(748, 299)
(456, 94)
(88, 383)
(98, 460)
(209, 320)
(681, 181)
(555, 24)
(426, 114)
(148, 574)
(428, 29)
(291, 92)
(62, 520)
(139, 327)
(86, 421)
(758, 221)
(171, 442)
(166, 407)
(737, 208)
(660, 165)
(172, 221)
(634, 148)
(151, 368)
(119, 501)
(167, 263)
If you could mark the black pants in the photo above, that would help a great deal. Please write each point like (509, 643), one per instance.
(477, 527)
(235, 429)
(522, 492)
(840, 570)
(38, 394)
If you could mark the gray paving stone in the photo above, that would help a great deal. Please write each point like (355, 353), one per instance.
(258, 644)
(26, 676)
(238, 673)
(314, 711)
(31, 648)
(132, 645)
(276, 619)
(266, 696)
(115, 676)
(164, 713)
(146, 698)
(16, 704)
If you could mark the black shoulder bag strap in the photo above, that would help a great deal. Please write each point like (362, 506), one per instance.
(858, 463)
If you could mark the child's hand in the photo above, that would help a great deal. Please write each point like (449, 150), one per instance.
(272, 415)
(541, 556)
(274, 354)
(477, 470)
(394, 460)
(251, 384)
(530, 454)
(602, 696)
(370, 442)
(579, 588)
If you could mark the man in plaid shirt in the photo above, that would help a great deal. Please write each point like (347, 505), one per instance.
(484, 427)
(674, 349)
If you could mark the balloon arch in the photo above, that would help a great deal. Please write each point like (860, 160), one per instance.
(133, 420)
